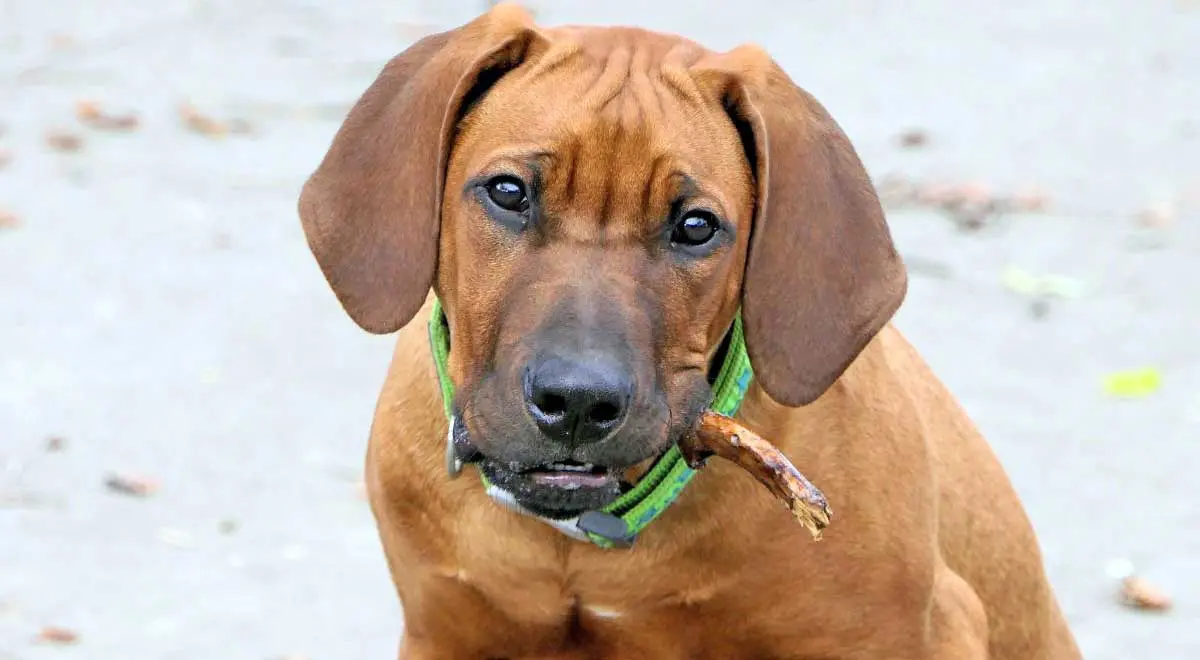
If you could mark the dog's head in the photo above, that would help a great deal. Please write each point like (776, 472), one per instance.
(593, 206)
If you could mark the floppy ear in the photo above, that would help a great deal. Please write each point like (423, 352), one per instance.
(371, 211)
(822, 275)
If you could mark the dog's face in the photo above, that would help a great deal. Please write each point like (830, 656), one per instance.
(592, 247)
(592, 206)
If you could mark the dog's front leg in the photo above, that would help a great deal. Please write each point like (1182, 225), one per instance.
(958, 622)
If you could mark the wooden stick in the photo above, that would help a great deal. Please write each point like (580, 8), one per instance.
(718, 435)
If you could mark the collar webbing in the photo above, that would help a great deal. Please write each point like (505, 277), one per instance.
(619, 523)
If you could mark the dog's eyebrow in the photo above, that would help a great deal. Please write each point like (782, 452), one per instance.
(687, 187)
(685, 184)
(527, 161)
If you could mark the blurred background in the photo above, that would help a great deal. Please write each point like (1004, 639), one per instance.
(184, 407)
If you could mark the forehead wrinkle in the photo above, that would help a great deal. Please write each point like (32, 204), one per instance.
(614, 74)
(556, 58)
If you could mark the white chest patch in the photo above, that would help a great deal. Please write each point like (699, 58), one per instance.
(602, 612)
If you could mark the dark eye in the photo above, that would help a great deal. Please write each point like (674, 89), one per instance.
(695, 228)
(508, 193)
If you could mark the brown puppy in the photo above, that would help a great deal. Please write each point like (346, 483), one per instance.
(593, 207)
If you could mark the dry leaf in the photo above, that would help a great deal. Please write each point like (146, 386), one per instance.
(914, 138)
(1158, 216)
(58, 635)
(61, 41)
(9, 220)
(1030, 200)
(934, 194)
(90, 114)
(973, 193)
(127, 485)
(196, 122)
(61, 140)
(1139, 594)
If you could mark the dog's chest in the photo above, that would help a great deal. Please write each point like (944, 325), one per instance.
(528, 613)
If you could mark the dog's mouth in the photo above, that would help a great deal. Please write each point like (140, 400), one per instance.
(571, 475)
(558, 489)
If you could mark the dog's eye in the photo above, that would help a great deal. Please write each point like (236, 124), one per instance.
(695, 228)
(508, 193)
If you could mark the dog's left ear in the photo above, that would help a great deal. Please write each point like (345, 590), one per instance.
(371, 211)
(823, 276)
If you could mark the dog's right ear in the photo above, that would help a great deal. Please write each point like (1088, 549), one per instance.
(371, 211)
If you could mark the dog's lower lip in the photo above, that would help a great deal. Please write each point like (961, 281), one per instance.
(570, 476)
(571, 479)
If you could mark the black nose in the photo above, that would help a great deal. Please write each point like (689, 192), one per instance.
(577, 401)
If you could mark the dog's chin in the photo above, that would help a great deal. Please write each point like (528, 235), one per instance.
(557, 490)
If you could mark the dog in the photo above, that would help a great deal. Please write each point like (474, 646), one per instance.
(583, 238)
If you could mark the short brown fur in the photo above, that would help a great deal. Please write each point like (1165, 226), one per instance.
(930, 555)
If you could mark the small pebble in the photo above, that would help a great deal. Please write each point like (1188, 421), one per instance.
(914, 138)
(128, 485)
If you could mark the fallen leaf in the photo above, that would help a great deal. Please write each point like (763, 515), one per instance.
(934, 194)
(1030, 200)
(134, 486)
(1138, 594)
(55, 443)
(58, 635)
(90, 114)
(914, 138)
(970, 194)
(1158, 216)
(61, 140)
(9, 220)
(1135, 383)
(196, 122)
(61, 41)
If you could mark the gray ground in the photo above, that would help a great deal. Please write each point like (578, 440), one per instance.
(161, 313)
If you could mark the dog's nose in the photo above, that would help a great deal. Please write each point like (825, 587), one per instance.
(577, 401)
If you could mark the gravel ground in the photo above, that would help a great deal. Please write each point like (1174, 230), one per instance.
(161, 317)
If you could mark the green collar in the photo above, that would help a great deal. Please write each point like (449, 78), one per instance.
(618, 524)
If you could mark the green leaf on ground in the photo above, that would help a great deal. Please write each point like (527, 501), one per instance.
(1134, 383)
